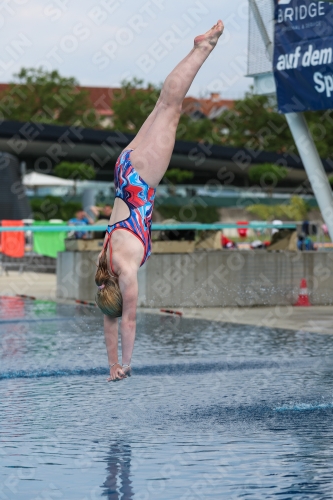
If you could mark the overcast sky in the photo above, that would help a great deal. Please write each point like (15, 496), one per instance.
(101, 42)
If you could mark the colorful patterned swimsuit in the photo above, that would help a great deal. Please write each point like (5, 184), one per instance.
(139, 197)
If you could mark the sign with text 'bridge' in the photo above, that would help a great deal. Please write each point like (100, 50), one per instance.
(303, 55)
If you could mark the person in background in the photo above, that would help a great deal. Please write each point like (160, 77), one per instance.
(277, 223)
(102, 212)
(259, 245)
(81, 219)
(306, 227)
(226, 243)
(305, 243)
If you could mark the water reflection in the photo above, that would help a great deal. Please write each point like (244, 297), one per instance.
(206, 395)
(13, 336)
(12, 307)
(118, 484)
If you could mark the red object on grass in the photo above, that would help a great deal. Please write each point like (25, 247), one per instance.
(242, 231)
(303, 297)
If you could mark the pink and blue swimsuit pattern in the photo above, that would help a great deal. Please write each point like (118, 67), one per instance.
(139, 197)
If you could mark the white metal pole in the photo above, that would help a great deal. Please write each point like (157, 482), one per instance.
(313, 166)
(262, 28)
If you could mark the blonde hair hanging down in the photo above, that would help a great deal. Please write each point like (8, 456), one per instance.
(108, 297)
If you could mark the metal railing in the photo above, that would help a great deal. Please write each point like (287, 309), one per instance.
(34, 262)
(155, 227)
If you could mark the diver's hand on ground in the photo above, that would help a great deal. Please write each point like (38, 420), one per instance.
(116, 373)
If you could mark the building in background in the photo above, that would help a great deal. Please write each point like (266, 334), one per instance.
(196, 107)
(211, 107)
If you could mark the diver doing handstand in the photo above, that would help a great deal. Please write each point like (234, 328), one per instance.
(138, 171)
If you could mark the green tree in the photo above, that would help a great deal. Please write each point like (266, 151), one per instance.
(330, 180)
(177, 176)
(321, 127)
(132, 104)
(254, 123)
(41, 96)
(75, 171)
(267, 174)
(202, 130)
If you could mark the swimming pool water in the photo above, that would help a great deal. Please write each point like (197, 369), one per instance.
(212, 411)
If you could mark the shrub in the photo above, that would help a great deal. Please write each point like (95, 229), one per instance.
(75, 171)
(206, 215)
(296, 210)
(177, 176)
(53, 207)
(267, 174)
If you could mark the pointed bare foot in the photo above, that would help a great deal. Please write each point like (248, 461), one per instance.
(209, 39)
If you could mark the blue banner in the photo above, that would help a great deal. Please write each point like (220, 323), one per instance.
(303, 55)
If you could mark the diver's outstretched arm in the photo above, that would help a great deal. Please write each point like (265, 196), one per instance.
(111, 342)
(128, 284)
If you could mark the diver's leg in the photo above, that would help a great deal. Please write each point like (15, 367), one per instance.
(152, 153)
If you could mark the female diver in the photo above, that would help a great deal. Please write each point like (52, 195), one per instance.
(139, 169)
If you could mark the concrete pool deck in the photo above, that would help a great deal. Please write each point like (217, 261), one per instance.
(316, 319)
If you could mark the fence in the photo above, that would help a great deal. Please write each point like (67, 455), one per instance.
(155, 227)
(31, 262)
(34, 262)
